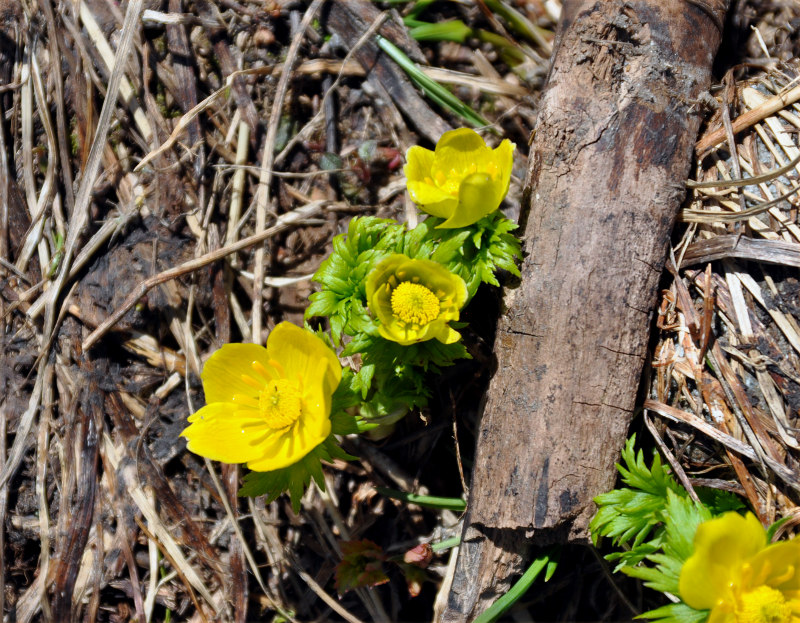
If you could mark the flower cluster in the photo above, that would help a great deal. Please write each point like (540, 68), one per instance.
(718, 562)
(396, 293)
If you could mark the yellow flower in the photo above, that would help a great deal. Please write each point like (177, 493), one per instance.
(267, 407)
(415, 299)
(738, 576)
(463, 180)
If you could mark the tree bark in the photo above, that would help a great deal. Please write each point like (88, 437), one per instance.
(608, 165)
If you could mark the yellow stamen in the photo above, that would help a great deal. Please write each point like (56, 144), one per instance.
(280, 403)
(249, 380)
(414, 303)
(764, 605)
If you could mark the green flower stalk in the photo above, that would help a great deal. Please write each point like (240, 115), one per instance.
(463, 180)
(414, 300)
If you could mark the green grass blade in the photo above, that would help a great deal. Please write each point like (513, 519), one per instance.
(518, 590)
(430, 87)
(521, 24)
(450, 30)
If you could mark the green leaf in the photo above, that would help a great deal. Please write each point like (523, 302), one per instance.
(342, 275)
(330, 162)
(478, 251)
(449, 30)
(364, 378)
(632, 514)
(676, 613)
(295, 478)
(447, 250)
(346, 395)
(774, 527)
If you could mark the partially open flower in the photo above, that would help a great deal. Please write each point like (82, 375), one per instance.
(267, 407)
(415, 299)
(463, 180)
(738, 576)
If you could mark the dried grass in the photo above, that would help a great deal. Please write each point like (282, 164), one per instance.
(129, 253)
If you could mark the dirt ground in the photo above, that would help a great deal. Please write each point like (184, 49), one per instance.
(106, 515)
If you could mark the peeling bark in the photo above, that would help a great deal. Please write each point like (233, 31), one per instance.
(612, 151)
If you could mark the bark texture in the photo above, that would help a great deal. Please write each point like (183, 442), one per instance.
(611, 154)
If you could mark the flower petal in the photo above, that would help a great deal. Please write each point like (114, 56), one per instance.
(478, 196)
(418, 163)
(722, 546)
(433, 199)
(503, 156)
(448, 335)
(451, 166)
(299, 351)
(224, 432)
(777, 565)
(462, 139)
(449, 288)
(288, 447)
(723, 613)
(316, 418)
(222, 373)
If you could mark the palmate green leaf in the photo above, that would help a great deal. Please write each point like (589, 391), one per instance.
(342, 275)
(430, 355)
(632, 557)
(627, 515)
(681, 517)
(655, 520)
(450, 249)
(364, 379)
(663, 577)
(478, 251)
(294, 479)
(719, 501)
(632, 514)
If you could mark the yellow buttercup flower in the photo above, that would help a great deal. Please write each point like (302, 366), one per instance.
(463, 180)
(267, 407)
(415, 299)
(738, 576)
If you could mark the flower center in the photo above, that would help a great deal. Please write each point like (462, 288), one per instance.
(280, 403)
(764, 605)
(414, 303)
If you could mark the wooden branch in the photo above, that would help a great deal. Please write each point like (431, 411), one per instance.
(612, 151)
(741, 247)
